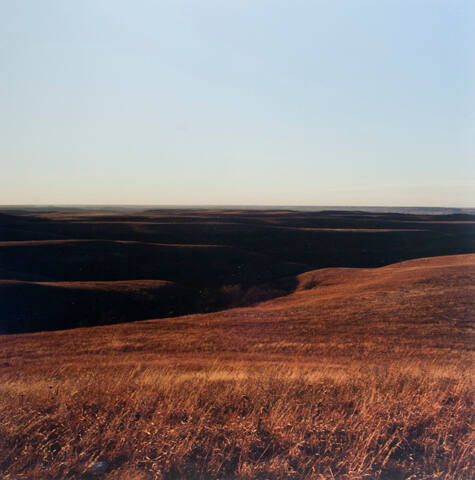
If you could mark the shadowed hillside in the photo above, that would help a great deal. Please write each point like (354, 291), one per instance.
(360, 373)
(33, 306)
(216, 258)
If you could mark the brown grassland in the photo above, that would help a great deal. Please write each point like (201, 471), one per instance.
(358, 374)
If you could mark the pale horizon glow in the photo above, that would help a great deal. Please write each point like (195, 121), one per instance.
(267, 102)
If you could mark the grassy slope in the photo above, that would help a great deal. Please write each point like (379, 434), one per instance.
(361, 373)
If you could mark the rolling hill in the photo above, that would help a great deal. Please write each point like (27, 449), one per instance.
(212, 259)
(359, 373)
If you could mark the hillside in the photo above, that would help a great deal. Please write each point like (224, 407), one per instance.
(33, 306)
(359, 373)
(217, 259)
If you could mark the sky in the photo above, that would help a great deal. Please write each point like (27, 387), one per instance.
(259, 102)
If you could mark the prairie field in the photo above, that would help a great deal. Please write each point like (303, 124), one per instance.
(358, 374)
(237, 240)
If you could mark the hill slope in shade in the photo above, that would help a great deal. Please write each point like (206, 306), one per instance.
(360, 373)
(33, 306)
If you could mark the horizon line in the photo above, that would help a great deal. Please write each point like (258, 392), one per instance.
(227, 205)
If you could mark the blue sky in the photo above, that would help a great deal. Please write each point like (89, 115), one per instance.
(245, 102)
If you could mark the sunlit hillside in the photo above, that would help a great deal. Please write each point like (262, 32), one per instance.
(358, 374)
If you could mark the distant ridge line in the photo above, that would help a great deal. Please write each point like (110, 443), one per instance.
(291, 208)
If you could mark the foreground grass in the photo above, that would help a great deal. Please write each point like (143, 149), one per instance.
(368, 381)
(265, 421)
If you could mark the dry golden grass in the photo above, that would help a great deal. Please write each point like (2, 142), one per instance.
(360, 374)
